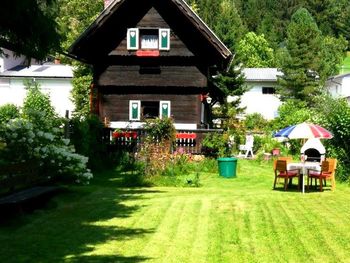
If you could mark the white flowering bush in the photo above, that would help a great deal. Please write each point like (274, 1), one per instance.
(24, 142)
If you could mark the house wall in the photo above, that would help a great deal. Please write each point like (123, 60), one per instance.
(12, 90)
(185, 109)
(257, 102)
(9, 60)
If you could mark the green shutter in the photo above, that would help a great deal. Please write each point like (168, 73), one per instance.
(164, 109)
(133, 39)
(134, 110)
(164, 39)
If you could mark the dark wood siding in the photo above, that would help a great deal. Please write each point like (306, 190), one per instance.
(168, 76)
(153, 20)
(184, 108)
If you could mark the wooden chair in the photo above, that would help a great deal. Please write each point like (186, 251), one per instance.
(281, 171)
(327, 172)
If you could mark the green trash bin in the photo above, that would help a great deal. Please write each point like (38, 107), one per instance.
(227, 166)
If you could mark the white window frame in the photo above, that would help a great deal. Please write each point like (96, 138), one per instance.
(131, 102)
(161, 106)
(160, 38)
(128, 39)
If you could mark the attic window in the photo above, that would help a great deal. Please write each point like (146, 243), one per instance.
(148, 39)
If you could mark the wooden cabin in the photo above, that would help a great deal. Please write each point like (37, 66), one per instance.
(152, 58)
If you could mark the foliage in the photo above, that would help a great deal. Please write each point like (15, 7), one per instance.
(37, 108)
(26, 142)
(300, 68)
(75, 16)
(86, 136)
(334, 114)
(216, 145)
(160, 130)
(81, 90)
(332, 54)
(255, 52)
(292, 112)
(8, 112)
(28, 27)
(255, 122)
(228, 25)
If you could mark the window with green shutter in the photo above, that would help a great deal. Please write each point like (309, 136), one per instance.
(133, 39)
(164, 39)
(134, 110)
(164, 109)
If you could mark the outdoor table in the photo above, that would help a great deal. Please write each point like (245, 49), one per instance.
(304, 166)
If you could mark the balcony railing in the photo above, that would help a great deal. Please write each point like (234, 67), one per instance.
(189, 141)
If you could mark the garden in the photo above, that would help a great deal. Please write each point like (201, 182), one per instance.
(163, 204)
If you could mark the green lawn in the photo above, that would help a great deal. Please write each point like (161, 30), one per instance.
(225, 220)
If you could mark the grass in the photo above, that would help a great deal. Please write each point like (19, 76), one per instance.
(226, 220)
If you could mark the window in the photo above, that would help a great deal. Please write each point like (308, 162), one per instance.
(150, 109)
(164, 110)
(148, 39)
(134, 110)
(132, 39)
(268, 90)
(139, 110)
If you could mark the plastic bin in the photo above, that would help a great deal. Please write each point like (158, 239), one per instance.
(227, 167)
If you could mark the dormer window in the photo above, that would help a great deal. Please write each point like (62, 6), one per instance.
(148, 39)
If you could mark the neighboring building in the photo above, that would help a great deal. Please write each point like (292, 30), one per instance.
(152, 59)
(54, 79)
(261, 95)
(339, 86)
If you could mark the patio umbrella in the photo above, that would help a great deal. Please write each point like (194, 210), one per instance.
(304, 131)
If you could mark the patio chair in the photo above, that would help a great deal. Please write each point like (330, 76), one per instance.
(327, 172)
(247, 147)
(281, 171)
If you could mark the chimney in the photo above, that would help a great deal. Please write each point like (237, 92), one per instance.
(107, 3)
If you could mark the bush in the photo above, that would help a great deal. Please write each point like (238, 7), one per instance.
(26, 143)
(8, 112)
(86, 136)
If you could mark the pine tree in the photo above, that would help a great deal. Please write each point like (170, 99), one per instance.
(301, 64)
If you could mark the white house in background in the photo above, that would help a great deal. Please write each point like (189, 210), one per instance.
(339, 86)
(261, 95)
(54, 79)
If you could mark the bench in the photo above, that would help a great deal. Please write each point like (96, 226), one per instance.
(21, 187)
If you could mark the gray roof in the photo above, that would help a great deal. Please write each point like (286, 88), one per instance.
(40, 71)
(261, 74)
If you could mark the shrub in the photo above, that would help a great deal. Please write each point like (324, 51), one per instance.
(38, 110)
(86, 136)
(8, 112)
(26, 143)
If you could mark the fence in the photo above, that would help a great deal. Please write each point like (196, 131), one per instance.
(189, 141)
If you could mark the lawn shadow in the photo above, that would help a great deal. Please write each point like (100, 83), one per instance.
(73, 224)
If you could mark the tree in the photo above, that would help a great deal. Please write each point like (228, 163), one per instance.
(75, 17)
(228, 26)
(254, 51)
(300, 68)
(332, 54)
(28, 27)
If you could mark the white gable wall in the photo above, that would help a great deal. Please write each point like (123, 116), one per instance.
(12, 90)
(256, 102)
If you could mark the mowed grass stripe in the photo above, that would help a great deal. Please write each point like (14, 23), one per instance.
(141, 227)
(186, 231)
(199, 250)
(162, 240)
(328, 235)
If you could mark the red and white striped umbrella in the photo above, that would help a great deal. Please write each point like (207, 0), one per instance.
(304, 131)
